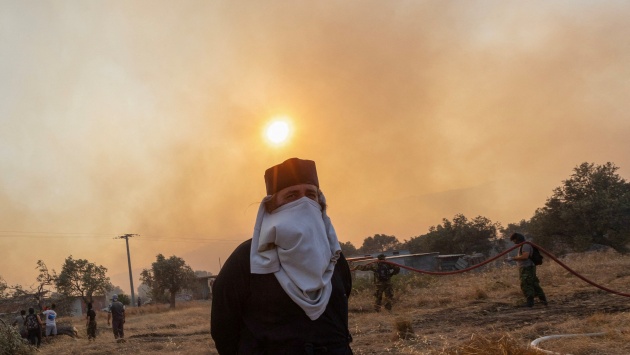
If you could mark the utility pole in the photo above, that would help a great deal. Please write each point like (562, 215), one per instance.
(126, 238)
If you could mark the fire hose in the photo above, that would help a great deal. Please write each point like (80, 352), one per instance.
(534, 343)
(551, 256)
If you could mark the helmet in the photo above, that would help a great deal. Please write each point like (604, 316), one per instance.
(381, 256)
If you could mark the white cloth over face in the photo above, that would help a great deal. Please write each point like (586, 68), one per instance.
(298, 244)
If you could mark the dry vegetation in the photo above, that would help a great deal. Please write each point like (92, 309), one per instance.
(149, 330)
(472, 313)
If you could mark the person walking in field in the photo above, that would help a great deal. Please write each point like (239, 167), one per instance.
(33, 325)
(90, 324)
(383, 273)
(530, 285)
(116, 313)
(286, 290)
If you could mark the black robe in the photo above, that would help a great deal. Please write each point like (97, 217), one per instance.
(252, 314)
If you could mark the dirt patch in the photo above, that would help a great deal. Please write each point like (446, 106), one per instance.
(454, 325)
(490, 316)
(168, 335)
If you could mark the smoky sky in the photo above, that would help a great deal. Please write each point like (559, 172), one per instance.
(147, 116)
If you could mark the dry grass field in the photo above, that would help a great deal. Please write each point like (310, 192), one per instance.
(471, 313)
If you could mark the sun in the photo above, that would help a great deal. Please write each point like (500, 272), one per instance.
(278, 131)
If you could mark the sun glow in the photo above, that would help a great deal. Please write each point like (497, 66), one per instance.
(278, 131)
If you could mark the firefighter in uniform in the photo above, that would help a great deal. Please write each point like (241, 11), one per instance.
(383, 273)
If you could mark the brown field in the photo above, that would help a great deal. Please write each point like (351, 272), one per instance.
(472, 313)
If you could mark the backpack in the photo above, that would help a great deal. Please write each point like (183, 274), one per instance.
(382, 272)
(31, 322)
(536, 257)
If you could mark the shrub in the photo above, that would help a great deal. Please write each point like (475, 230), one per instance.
(124, 299)
(11, 343)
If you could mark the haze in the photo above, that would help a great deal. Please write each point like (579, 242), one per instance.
(147, 117)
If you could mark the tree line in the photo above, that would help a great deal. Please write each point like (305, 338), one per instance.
(84, 279)
(592, 206)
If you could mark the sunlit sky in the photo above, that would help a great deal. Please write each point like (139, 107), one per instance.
(149, 117)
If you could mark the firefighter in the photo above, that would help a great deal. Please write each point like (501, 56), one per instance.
(383, 273)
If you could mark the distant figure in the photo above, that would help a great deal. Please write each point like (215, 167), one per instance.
(139, 302)
(91, 322)
(383, 273)
(285, 291)
(33, 325)
(51, 321)
(116, 312)
(19, 322)
(530, 285)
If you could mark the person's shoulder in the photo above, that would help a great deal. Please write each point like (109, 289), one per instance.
(237, 264)
(244, 247)
(241, 253)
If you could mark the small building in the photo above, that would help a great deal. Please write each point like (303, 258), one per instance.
(203, 291)
(467, 261)
(420, 261)
(77, 308)
(448, 262)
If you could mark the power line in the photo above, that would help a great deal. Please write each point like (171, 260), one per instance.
(83, 233)
(193, 240)
(152, 238)
(53, 235)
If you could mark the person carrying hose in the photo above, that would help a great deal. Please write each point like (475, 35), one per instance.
(383, 273)
(530, 285)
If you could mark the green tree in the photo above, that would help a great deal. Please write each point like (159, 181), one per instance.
(37, 292)
(124, 299)
(44, 280)
(592, 206)
(348, 249)
(522, 227)
(379, 243)
(459, 236)
(82, 278)
(170, 276)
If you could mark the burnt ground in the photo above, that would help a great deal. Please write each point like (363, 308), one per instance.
(452, 326)
(492, 316)
(434, 328)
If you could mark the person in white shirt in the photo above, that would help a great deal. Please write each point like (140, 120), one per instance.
(51, 324)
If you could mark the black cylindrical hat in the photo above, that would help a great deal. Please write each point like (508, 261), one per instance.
(291, 172)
